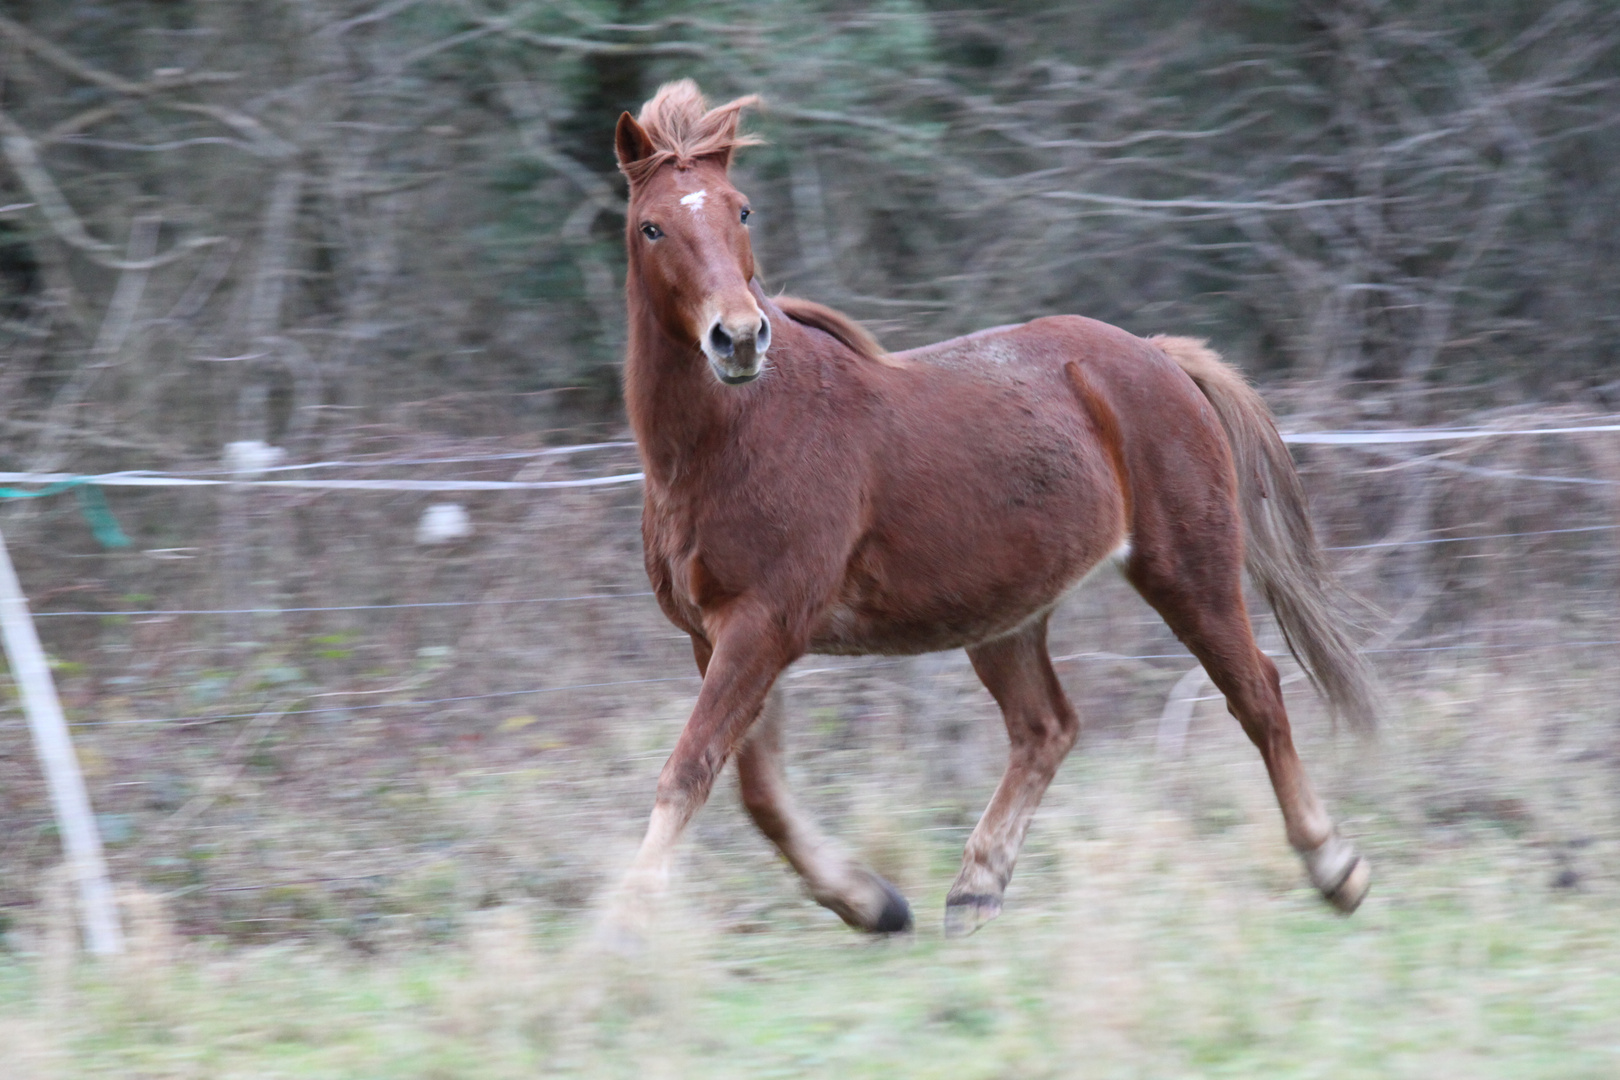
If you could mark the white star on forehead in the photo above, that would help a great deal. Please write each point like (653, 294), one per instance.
(694, 201)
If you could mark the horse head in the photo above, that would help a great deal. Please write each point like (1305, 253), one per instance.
(691, 260)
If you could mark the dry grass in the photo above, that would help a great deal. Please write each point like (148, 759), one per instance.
(1158, 927)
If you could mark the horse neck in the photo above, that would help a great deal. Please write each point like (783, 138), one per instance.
(678, 411)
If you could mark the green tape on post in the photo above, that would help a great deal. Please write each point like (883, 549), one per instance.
(92, 504)
(49, 489)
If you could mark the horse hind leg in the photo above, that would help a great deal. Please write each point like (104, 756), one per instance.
(1199, 594)
(836, 881)
(1041, 729)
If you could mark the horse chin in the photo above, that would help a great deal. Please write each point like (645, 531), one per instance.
(739, 378)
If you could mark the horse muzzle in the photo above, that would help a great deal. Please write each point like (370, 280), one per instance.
(737, 352)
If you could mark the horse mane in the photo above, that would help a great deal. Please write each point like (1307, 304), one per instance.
(683, 129)
(837, 325)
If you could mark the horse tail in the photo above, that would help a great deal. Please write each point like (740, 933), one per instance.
(1281, 552)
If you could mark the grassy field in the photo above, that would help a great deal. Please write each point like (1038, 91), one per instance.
(1158, 928)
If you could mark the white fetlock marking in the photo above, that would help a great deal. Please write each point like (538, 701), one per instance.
(1330, 863)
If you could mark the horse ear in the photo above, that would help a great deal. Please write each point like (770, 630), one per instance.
(630, 141)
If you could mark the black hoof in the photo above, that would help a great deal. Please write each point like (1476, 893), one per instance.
(896, 917)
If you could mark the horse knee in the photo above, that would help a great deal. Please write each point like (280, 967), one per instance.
(1063, 731)
(1045, 738)
(686, 783)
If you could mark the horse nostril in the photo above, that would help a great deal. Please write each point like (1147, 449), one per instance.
(762, 339)
(720, 340)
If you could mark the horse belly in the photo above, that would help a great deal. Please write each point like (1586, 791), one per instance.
(849, 632)
(992, 558)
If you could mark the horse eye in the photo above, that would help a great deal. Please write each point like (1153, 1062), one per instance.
(651, 231)
(745, 214)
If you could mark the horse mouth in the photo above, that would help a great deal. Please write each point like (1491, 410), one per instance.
(742, 365)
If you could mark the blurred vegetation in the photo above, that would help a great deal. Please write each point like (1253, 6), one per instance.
(284, 220)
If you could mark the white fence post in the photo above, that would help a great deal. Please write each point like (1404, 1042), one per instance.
(78, 827)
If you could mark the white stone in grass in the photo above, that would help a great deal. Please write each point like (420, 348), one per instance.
(442, 523)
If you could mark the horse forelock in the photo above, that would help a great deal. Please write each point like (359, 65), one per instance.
(684, 130)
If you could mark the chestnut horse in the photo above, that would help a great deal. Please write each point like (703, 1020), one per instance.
(807, 492)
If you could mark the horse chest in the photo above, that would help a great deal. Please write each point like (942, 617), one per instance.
(688, 563)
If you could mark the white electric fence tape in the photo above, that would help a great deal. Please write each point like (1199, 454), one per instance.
(1420, 435)
(157, 479)
(143, 478)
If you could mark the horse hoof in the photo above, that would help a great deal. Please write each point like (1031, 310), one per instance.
(618, 937)
(1352, 888)
(893, 915)
(896, 915)
(966, 913)
(624, 924)
(1338, 872)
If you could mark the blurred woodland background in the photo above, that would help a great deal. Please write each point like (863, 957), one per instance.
(284, 220)
(388, 233)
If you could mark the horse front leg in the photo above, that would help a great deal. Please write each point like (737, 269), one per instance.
(749, 652)
(836, 881)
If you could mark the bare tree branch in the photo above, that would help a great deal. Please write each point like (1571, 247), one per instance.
(21, 154)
